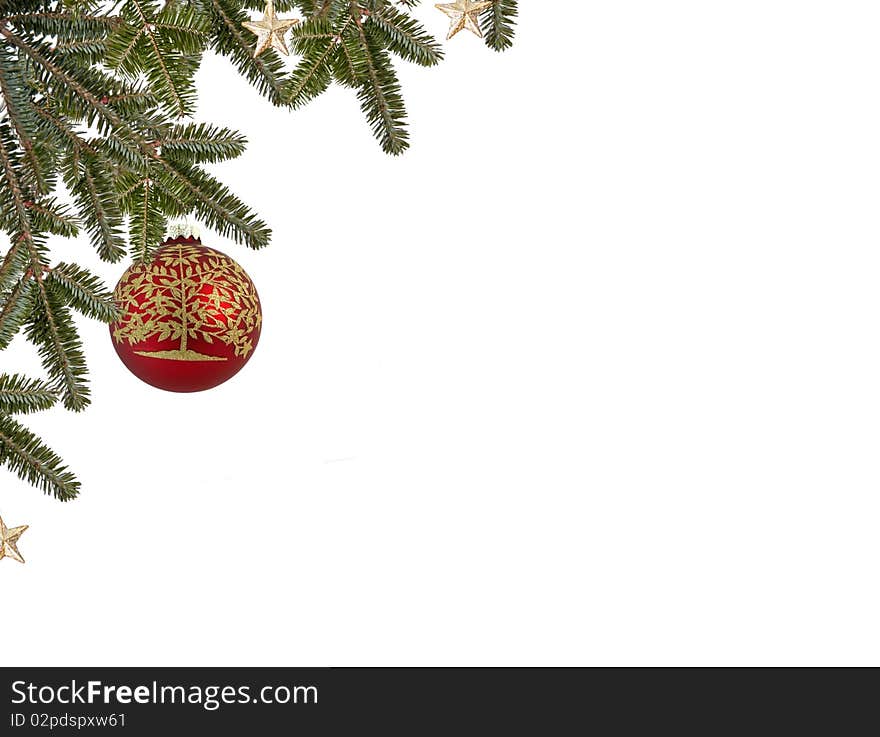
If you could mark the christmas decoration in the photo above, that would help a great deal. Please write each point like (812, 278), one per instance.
(9, 541)
(191, 318)
(270, 31)
(96, 138)
(464, 14)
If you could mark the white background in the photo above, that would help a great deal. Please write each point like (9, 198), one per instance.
(590, 376)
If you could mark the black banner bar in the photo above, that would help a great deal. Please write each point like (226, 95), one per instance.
(415, 701)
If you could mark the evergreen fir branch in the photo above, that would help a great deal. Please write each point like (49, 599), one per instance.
(52, 331)
(213, 203)
(311, 77)
(118, 153)
(182, 27)
(39, 159)
(350, 57)
(147, 222)
(20, 395)
(25, 244)
(9, 163)
(71, 25)
(15, 306)
(316, 41)
(73, 94)
(26, 455)
(380, 97)
(405, 36)
(281, 6)
(164, 45)
(201, 143)
(12, 7)
(313, 29)
(328, 10)
(69, 87)
(83, 291)
(229, 39)
(309, 8)
(63, 131)
(86, 51)
(91, 186)
(498, 24)
(14, 264)
(48, 216)
(132, 102)
(90, 94)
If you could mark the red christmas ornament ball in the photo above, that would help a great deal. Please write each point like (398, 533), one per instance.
(190, 320)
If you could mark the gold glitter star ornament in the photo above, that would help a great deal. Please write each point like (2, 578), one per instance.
(463, 14)
(270, 31)
(9, 541)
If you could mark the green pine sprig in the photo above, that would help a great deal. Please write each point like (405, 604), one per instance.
(97, 136)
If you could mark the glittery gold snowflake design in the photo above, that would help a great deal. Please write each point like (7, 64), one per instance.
(188, 292)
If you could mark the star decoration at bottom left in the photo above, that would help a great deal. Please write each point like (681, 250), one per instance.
(9, 541)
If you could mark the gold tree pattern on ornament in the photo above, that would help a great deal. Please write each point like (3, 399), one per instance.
(188, 292)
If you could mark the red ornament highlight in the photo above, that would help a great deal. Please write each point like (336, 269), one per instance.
(191, 318)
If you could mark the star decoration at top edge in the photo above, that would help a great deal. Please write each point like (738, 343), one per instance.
(270, 31)
(463, 14)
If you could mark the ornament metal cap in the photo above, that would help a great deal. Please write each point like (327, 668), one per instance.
(183, 230)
